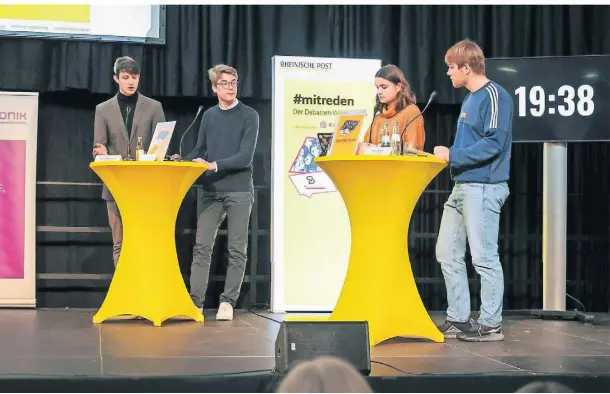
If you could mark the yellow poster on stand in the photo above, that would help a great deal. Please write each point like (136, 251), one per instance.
(310, 228)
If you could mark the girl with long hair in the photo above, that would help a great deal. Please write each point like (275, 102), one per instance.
(395, 101)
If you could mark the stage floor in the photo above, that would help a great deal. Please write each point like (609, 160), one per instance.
(65, 342)
(61, 350)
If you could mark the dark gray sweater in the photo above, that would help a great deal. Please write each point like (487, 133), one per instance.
(227, 137)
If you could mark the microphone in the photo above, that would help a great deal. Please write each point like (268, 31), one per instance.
(127, 132)
(402, 145)
(187, 130)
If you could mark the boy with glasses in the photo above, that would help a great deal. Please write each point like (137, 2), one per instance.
(226, 142)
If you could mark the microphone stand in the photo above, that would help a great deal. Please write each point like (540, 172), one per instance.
(432, 96)
(186, 132)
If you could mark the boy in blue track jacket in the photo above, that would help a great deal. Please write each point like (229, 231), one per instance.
(479, 162)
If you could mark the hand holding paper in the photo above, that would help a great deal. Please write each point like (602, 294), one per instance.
(442, 152)
(99, 149)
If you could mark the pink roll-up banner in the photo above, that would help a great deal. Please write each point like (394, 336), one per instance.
(12, 208)
(18, 135)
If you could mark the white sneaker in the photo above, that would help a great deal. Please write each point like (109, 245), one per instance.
(225, 311)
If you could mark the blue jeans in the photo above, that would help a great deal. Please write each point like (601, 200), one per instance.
(472, 212)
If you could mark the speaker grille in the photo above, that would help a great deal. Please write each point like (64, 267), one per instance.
(307, 340)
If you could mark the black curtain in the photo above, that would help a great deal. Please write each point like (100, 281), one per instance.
(413, 37)
(74, 76)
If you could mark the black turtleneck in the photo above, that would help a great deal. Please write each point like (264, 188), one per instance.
(126, 102)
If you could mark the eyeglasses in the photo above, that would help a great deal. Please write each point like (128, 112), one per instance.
(225, 84)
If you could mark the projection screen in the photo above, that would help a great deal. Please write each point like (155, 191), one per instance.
(143, 23)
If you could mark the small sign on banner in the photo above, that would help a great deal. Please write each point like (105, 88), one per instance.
(313, 183)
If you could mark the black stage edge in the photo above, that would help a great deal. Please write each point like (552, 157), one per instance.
(265, 383)
(61, 350)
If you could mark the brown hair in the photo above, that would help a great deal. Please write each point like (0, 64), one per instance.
(544, 387)
(324, 375)
(126, 64)
(467, 52)
(404, 97)
(214, 72)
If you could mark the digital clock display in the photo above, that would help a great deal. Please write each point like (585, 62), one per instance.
(556, 98)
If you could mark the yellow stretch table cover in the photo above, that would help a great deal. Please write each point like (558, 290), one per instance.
(380, 193)
(147, 281)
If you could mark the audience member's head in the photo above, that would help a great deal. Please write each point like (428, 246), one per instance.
(544, 387)
(324, 375)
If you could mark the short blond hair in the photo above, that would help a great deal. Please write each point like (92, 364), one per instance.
(467, 52)
(214, 72)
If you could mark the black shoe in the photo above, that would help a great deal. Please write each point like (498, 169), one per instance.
(482, 333)
(450, 329)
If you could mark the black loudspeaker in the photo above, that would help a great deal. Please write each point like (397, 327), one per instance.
(300, 341)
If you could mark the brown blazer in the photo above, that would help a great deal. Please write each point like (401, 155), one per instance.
(109, 128)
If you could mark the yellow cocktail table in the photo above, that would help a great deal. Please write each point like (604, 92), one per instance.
(147, 281)
(380, 193)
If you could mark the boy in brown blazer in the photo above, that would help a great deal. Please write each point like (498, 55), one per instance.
(119, 122)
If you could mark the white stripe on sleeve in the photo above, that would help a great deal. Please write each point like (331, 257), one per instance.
(493, 96)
